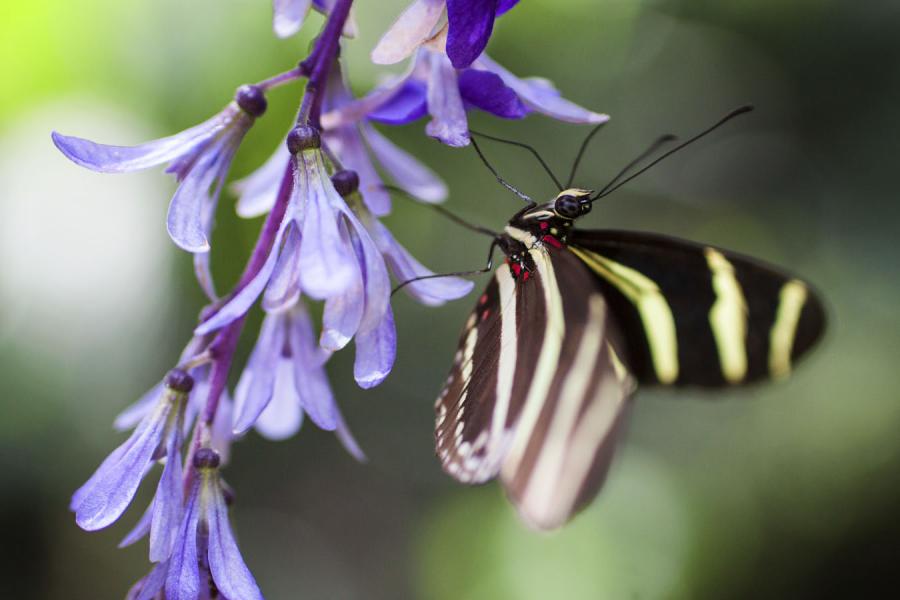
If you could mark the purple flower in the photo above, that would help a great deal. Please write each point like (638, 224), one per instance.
(435, 87)
(285, 378)
(468, 28)
(109, 491)
(205, 562)
(327, 250)
(199, 157)
(288, 16)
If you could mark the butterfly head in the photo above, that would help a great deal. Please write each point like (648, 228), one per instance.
(572, 203)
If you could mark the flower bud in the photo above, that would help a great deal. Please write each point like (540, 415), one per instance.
(345, 182)
(303, 137)
(179, 381)
(206, 458)
(251, 99)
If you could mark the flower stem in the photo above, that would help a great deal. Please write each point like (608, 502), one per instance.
(280, 79)
(319, 62)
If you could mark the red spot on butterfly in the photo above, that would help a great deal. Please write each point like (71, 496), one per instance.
(549, 239)
(517, 269)
(544, 226)
(483, 299)
(485, 314)
(525, 275)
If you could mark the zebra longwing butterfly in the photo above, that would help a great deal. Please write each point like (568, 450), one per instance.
(574, 321)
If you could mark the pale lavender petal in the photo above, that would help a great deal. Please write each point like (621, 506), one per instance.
(361, 108)
(132, 415)
(288, 16)
(243, 300)
(470, 25)
(254, 389)
(283, 290)
(485, 90)
(326, 262)
(310, 378)
(375, 277)
(221, 435)
(342, 315)
(259, 190)
(282, 416)
(347, 144)
(408, 104)
(113, 486)
(229, 572)
(408, 173)
(185, 217)
(540, 95)
(348, 441)
(376, 350)
(201, 259)
(140, 529)
(121, 159)
(411, 28)
(168, 502)
(183, 579)
(432, 292)
(148, 587)
(448, 115)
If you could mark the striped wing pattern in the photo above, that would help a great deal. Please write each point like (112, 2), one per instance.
(537, 391)
(698, 315)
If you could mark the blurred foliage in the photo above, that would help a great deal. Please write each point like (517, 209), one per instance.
(787, 490)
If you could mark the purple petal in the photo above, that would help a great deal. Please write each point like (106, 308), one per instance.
(229, 571)
(409, 174)
(348, 441)
(310, 379)
(470, 25)
(540, 95)
(376, 350)
(360, 108)
(347, 143)
(408, 104)
(183, 579)
(201, 259)
(487, 91)
(342, 316)
(284, 286)
(168, 502)
(326, 263)
(411, 28)
(113, 486)
(288, 16)
(140, 529)
(505, 5)
(122, 159)
(376, 282)
(282, 416)
(259, 190)
(432, 292)
(448, 115)
(254, 389)
(221, 436)
(132, 415)
(149, 587)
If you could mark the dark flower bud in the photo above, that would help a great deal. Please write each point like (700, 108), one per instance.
(303, 137)
(345, 182)
(179, 381)
(251, 99)
(206, 458)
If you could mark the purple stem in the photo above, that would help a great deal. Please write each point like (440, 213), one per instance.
(319, 62)
(281, 79)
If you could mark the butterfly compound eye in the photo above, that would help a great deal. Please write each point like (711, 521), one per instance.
(568, 207)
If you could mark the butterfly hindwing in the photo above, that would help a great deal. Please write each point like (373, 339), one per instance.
(698, 315)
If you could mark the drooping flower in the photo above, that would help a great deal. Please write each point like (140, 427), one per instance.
(355, 144)
(469, 26)
(323, 250)
(288, 16)
(199, 157)
(206, 561)
(434, 87)
(109, 491)
(284, 378)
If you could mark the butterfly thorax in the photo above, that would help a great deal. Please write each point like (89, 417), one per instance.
(540, 226)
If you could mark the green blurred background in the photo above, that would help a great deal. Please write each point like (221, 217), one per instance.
(780, 491)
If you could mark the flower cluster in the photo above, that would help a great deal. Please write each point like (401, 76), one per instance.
(323, 193)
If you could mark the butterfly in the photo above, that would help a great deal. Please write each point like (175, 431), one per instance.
(574, 321)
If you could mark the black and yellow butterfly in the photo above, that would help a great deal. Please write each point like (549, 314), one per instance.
(574, 321)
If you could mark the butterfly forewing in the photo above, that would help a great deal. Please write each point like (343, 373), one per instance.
(694, 314)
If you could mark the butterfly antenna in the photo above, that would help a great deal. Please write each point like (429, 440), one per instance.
(581, 151)
(502, 181)
(531, 149)
(441, 210)
(488, 267)
(735, 113)
(662, 141)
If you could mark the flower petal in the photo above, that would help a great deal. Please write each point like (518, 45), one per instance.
(410, 29)
(347, 143)
(254, 389)
(167, 503)
(229, 572)
(342, 316)
(149, 587)
(132, 415)
(431, 292)
(540, 95)
(283, 416)
(470, 25)
(122, 159)
(310, 378)
(376, 350)
(408, 104)
(409, 174)
(140, 529)
(183, 579)
(348, 441)
(487, 91)
(448, 115)
(283, 290)
(375, 277)
(505, 5)
(259, 190)
(288, 16)
(221, 435)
